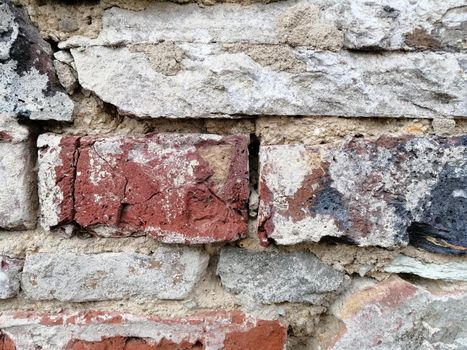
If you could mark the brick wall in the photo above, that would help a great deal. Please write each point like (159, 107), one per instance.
(254, 175)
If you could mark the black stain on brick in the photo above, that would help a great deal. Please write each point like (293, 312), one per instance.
(443, 228)
(329, 202)
(30, 50)
(400, 209)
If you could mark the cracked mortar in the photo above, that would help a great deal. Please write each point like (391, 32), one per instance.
(320, 130)
(91, 116)
(60, 20)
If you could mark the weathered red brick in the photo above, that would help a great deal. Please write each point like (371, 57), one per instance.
(178, 188)
(266, 335)
(216, 330)
(383, 192)
(131, 343)
(6, 343)
(396, 314)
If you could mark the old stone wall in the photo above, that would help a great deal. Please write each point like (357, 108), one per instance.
(233, 175)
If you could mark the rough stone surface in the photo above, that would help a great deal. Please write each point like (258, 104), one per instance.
(321, 24)
(169, 273)
(17, 189)
(10, 275)
(213, 82)
(66, 76)
(370, 191)
(453, 271)
(189, 188)
(396, 314)
(97, 330)
(28, 85)
(198, 72)
(274, 277)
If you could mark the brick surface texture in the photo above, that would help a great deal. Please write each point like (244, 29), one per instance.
(177, 188)
(233, 175)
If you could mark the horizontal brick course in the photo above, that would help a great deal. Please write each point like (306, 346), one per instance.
(189, 188)
(216, 330)
(233, 175)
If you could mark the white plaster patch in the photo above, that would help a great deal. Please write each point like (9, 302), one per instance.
(17, 190)
(451, 271)
(50, 194)
(26, 95)
(286, 168)
(310, 229)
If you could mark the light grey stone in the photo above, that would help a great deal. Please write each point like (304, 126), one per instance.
(66, 76)
(213, 82)
(64, 57)
(444, 126)
(9, 31)
(28, 85)
(169, 273)
(326, 24)
(274, 277)
(452, 270)
(10, 276)
(17, 191)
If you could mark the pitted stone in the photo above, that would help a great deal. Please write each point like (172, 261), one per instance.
(169, 273)
(274, 277)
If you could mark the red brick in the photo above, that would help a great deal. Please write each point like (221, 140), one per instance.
(6, 343)
(266, 335)
(131, 343)
(178, 188)
(396, 314)
(216, 330)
